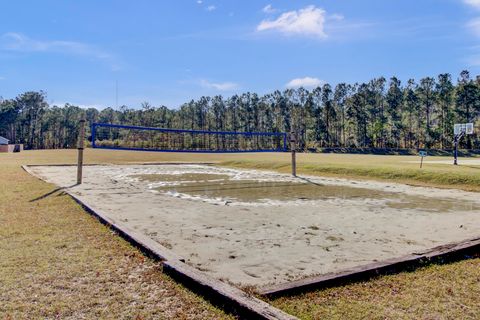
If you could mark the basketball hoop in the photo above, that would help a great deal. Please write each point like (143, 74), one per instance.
(460, 130)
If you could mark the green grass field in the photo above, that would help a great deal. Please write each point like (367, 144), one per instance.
(57, 261)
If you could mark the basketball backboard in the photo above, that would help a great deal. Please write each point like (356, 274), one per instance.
(466, 128)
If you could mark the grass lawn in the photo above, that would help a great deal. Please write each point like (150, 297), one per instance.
(449, 291)
(58, 260)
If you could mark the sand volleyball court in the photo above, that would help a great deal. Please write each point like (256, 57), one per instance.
(258, 228)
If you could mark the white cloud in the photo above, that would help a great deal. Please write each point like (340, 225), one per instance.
(13, 41)
(307, 21)
(474, 26)
(199, 1)
(211, 8)
(306, 82)
(473, 3)
(221, 86)
(269, 9)
(19, 42)
(336, 17)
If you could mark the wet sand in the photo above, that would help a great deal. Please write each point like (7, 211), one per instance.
(256, 227)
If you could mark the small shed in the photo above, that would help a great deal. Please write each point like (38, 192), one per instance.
(6, 147)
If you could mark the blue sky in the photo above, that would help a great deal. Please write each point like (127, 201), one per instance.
(168, 52)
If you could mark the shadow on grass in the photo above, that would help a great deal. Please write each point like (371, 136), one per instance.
(46, 195)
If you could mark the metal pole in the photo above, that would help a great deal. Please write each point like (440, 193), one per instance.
(81, 141)
(293, 146)
(455, 152)
(421, 163)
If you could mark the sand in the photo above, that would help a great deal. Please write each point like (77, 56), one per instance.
(270, 237)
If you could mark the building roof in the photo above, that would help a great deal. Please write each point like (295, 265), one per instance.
(3, 140)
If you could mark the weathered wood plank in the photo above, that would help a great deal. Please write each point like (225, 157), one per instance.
(230, 298)
(442, 254)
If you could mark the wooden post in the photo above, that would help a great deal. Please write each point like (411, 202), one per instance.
(81, 142)
(293, 147)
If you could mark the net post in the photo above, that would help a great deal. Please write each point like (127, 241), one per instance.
(293, 147)
(80, 147)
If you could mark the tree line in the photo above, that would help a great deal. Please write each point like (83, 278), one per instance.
(375, 114)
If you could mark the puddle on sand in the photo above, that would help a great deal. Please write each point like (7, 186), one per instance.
(221, 186)
(181, 177)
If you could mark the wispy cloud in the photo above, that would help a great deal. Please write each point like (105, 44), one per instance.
(473, 60)
(268, 9)
(221, 86)
(309, 21)
(211, 8)
(307, 82)
(473, 3)
(336, 17)
(474, 26)
(2, 78)
(19, 42)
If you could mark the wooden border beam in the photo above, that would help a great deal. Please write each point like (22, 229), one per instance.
(441, 254)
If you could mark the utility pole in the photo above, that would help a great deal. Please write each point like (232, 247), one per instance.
(80, 147)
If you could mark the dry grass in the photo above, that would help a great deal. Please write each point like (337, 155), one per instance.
(56, 261)
(59, 260)
(435, 292)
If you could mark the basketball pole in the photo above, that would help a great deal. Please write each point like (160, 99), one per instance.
(455, 151)
(80, 147)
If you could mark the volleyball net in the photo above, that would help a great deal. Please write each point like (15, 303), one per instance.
(122, 137)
